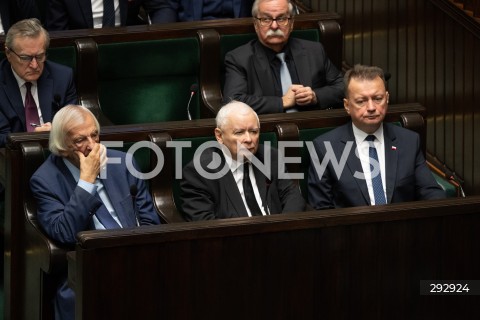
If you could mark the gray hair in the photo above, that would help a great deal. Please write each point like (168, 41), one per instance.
(291, 8)
(223, 115)
(362, 72)
(66, 118)
(27, 28)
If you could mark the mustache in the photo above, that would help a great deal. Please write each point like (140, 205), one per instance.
(275, 33)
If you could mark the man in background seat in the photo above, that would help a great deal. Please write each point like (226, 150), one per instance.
(187, 10)
(276, 73)
(12, 11)
(87, 14)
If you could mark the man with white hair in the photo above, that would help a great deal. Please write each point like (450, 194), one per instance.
(72, 195)
(276, 73)
(237, 177)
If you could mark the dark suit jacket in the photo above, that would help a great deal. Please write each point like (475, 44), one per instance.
(63, 209)
(206, 199)
(12, 11)
(407, 175)
(189, 10)
(56, 89)
(249, 78)
(6, 14)
(77, 14)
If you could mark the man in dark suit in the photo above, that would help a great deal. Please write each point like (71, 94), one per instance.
(226, 180)
(256, 75)
(52, 84)
(78, 189)
(187, 10)
(367, 161)
(87, 14)
(12, 11)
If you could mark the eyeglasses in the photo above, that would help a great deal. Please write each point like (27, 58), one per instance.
(267, 22)
(27, 59)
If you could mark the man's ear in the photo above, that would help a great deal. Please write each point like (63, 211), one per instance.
(346, 106)
(218, 135)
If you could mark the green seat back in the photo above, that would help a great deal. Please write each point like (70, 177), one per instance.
(63, 55)
(148, 81)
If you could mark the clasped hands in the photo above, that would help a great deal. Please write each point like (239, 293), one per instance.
(299, 95)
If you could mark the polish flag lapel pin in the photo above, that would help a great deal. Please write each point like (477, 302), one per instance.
(394, 148)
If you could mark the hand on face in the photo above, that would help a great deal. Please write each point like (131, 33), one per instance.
(90, 164)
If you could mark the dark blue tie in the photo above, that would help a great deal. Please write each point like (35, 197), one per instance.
(106, 218)
(108, 13)
(102, 212)
(377, 184)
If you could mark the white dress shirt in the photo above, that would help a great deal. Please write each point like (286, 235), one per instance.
(237, 170)
(363, 152)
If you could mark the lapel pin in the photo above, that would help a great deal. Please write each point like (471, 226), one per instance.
(394, 148)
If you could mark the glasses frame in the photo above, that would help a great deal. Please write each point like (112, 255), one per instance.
(267, 22)
(28, 59)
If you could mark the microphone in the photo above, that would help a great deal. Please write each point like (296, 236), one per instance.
(193, 89)
(133, 193)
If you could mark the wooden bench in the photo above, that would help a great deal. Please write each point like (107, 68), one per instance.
(362, 262)
(31, 259)
(144, 73)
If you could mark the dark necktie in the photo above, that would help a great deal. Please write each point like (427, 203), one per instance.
(31, 112)
(377, 184)
(108, 13)
(248, 191)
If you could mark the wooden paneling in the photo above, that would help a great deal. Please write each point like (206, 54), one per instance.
(347, 263)
(431, 48)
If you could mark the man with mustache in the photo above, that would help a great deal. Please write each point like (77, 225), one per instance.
(255, 74)
(366, 161)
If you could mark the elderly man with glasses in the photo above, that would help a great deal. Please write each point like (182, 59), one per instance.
(276, 73)
(32, 89)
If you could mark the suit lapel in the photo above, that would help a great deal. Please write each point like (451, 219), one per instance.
(197, 9)
(301, 62)
(12, 92)
(354, 165)
(227, 183)
(237, 7)
(86, 11)
(45, 94)
(262, 69)
(391, 160)
(123, 12)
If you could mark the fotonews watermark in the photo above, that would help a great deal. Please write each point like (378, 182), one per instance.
(217, 167)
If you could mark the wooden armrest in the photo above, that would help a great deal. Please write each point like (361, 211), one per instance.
(162, 183)
(210, 81)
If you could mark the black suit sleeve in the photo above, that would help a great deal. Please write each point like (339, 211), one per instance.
(57, 16)
(196, 195)
(242, 84)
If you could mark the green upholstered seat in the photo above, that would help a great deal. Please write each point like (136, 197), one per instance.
(148, 81)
